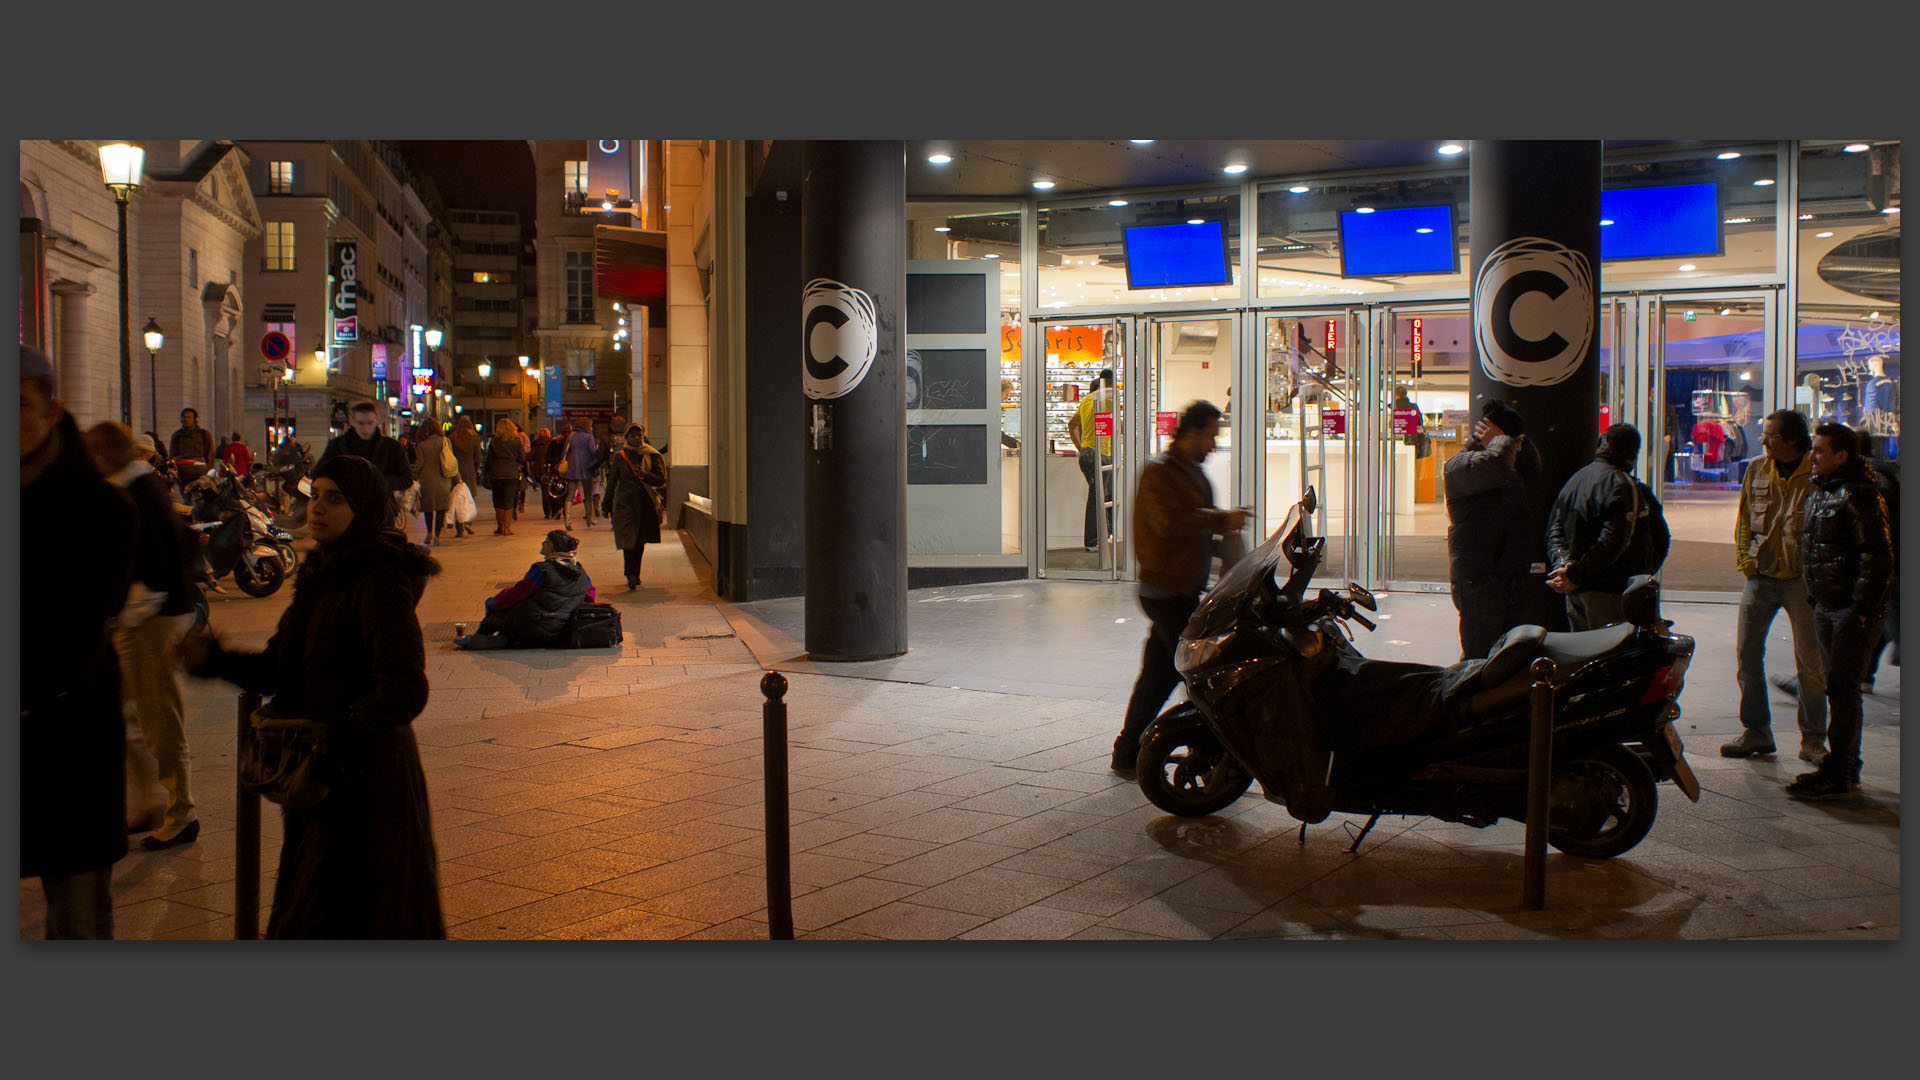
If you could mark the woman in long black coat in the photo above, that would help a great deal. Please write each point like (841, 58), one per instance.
(348, 651)
(635, 474)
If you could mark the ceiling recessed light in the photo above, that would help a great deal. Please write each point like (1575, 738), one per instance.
(1891, 210)
(1423, 229)
(1606, 221)
(1196, 221)
(1452, 148)
(1874, 315)
(1823, 235)
(1684, 267)
(1235, 168)
(1298, 189)
(1763, 182)
(992, 255)
(939, 159)
(1139, 142)
(1042, 185)
(1729, 155)
(1726, 311)
(1116, 202)
(1363, 209)
(942, 228)
(1746, 376)
(1738, 221)
(1806, 217)
(1855, 148)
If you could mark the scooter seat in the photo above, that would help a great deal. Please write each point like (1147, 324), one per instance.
(1511, 654)
(1503, 682)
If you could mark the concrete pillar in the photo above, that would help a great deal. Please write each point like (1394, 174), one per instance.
(1536, 314)
(72, 361)
(853, 345)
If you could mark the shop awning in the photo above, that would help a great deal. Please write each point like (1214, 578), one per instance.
(630, 266)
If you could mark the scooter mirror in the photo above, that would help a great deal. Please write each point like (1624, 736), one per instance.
(1307, 502)
(1361, 597)
(305, 487)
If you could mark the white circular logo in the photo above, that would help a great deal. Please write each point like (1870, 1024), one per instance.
(1533, 312)
(840, 336)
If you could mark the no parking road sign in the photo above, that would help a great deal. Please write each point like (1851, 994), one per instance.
(276, 346)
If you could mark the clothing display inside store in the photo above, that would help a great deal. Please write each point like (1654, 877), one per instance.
(1717, 446)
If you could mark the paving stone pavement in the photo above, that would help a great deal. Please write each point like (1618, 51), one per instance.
(961, 791)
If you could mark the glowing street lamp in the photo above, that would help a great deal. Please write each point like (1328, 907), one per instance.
(154, 339)
(120, 165)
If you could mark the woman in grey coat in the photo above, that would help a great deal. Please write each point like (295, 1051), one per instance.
(635, 474)
(436, 489)
(468, 453)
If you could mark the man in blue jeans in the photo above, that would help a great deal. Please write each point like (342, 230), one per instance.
(1847, 559)
(1766, 540)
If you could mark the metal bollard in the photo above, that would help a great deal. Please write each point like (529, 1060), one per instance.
(246, 838)
(774, 767)
(1539, 786)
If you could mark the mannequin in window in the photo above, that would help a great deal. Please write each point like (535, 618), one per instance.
(1879, 398)
(1708, 434)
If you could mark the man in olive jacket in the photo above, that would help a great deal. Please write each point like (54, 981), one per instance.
(1846, 559)
(1174, 523)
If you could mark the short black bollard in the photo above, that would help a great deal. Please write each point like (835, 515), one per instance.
(1539, 786)
(773, 758)
(246, 834)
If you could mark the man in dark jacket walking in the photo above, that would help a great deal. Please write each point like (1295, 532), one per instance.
(1489, 546)
(1174, 523)
(363, 438)
(1605, 528)
(73, 818)
(1847, 558)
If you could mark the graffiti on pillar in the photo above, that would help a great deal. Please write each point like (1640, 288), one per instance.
(840, 336)
(1533, 312)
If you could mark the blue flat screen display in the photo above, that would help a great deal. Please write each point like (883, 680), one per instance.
(1160, 256)
(1648, 222)
(1404, 240)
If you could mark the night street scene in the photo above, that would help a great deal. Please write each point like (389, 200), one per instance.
(976, 540)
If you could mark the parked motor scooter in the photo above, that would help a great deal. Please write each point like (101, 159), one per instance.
(1277, 693)
(237, 538)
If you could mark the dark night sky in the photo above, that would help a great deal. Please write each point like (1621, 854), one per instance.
(478, 175)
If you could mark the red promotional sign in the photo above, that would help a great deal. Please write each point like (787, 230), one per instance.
(1103, 423)
(1164, 423)
(1419, 346)
(1333, 422)
(1404, 422)
(1333, 340)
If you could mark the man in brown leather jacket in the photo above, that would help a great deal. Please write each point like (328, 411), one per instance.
(1174, 523)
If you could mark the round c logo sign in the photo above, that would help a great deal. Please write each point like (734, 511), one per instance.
(1533, 312)
(840, 336)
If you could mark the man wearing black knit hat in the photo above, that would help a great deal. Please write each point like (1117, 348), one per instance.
(1489, 546)
(534, 612)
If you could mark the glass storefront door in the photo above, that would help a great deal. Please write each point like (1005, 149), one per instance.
(1422, 406)
(1309, 391)
(1083, 510)
(1189, 359)
(1711, 355)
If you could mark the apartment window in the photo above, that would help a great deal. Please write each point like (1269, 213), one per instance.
(580, 365)
(193, 269)
(492, 277)
(279, 177)
(576, 178)
(579, 287)
(279, 244)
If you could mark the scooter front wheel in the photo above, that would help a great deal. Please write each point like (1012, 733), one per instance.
(1183, 769)
(1604, 802)
(266, 583)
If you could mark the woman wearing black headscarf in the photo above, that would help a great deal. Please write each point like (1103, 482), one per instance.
(348, 652)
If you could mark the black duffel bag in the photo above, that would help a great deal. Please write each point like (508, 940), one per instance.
(595, 626)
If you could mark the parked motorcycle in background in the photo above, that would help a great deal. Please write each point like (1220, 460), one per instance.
(237, 537)
(1278, 693)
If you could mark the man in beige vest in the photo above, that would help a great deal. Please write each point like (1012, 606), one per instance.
(1766, 540)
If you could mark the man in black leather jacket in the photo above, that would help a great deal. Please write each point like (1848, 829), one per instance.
(1605, 527)
(1846, 559)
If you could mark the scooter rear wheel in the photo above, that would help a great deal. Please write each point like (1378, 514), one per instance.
(1184, 770)
(1604, 802)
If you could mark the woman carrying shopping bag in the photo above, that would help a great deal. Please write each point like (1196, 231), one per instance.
(636, 474)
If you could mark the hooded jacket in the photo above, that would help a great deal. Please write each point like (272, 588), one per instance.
(1487, 511)
(1846, 547)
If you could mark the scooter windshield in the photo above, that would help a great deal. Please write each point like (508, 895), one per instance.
(1222, 602)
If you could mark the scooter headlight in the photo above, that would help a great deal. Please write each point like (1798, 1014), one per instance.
(1198, 652)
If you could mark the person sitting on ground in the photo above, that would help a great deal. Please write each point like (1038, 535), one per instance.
(535, 612)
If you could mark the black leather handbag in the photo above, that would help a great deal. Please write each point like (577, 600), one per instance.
(283, 759)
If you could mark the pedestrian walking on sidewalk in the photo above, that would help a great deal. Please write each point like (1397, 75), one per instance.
(1847, 559)
(1174, 524)
(1767, 528)
(506, 458)
(73, 817)
(1605, 527)
(582, 456)
(348, 652)
(467, 457)
(536, 611)
(156, 615)
(436, 487)
(636, 474)
(363, 438)
(1489, 546)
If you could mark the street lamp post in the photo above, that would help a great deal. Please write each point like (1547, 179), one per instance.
(120, 165)
(154, 339)
(486, 411)
(433, 335)
(528, 398)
